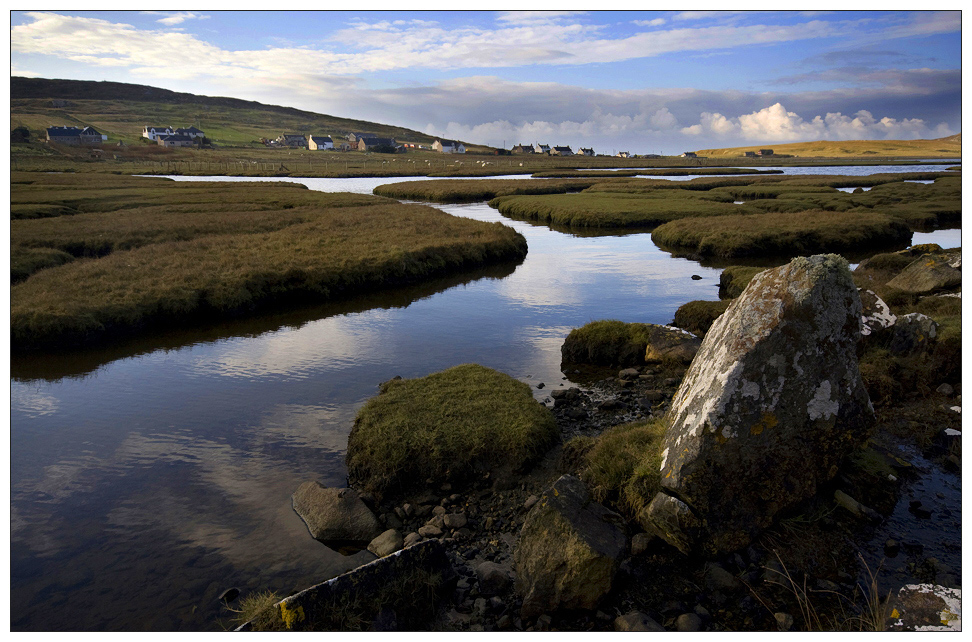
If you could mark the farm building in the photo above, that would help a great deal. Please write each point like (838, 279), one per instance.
(319, 142)
(587, 151)
(765, 152)
(522, 149)
(354, 136)
(291, 140)
(749, 154)
(191, 132)
(541, 149)
(175, 140)
(448, 146)
(74, 136)
(689, 155)
(367, 142)
(561, 151)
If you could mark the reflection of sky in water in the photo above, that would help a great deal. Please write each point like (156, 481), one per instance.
(175, 468)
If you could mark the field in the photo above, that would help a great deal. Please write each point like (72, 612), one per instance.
(118, 259)
(949, 147)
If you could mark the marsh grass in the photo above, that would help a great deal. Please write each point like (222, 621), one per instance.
(614, 210)
(451, 426)
(776, 234)
(258, 609)
(607, 342)
(698, 316)
(468, 191)
(734, 280)
(211, 252)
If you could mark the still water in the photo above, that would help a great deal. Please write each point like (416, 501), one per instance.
(149, 477)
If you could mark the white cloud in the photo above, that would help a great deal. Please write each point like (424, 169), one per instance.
(171, 19)
(657, 22)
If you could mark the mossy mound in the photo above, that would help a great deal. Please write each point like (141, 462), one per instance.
(615, 343)
(452, 426)
(734, 280)
(698, 316)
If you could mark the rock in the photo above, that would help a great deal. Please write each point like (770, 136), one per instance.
(696, 277)
(637, 621)
(688, 623)
(639, 543)
(505, 623)
(430, 531)
(544, 622)
(784, 621)
(629, 373)
(387, 543)
(891, 548)
(568, 552)
(927, 274)
(925, 607)
(335, 514)
(718, 578)
(454, 520)
(860, 510)
(493, 578)
(229, 595)
(876, 316)
(530, 502)
(771, 404)
(540, 386)
(666, 342)
(945, 389)
(913, 333)
(412, 539)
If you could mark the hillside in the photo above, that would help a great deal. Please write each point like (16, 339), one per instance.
(948, 147)
(121, 110)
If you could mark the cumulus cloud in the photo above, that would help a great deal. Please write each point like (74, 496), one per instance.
(172, 19)
(776, 124)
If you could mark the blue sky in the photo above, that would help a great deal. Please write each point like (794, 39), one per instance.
(662, 81)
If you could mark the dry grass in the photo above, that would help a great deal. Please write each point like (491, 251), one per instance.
(948, 147)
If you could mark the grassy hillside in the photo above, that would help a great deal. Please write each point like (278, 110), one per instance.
(121, 110)
(948, 147)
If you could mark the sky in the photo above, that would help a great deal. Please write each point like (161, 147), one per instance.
(638, 81)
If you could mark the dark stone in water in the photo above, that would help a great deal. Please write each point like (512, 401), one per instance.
(696, 277)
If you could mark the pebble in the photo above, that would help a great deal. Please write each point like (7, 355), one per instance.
(784, 621)
(430, 531)
(530, 502)
(688, 623)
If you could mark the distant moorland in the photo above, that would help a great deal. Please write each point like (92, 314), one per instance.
(949, 147)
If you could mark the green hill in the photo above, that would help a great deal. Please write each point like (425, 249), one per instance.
(948, 147)
(121, 110)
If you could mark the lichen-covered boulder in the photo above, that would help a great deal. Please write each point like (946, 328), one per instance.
(568, 552)
(668, 343)
(928, 273)
(913, 333)
(769, 407)
(335, 514)
(876, 316)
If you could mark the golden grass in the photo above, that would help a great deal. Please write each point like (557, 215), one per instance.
(948, 147)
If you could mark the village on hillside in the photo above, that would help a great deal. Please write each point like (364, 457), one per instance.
(353, 141)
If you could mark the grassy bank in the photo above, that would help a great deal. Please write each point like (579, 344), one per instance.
(451, 426)
(950, 146)
(782, 234)
(611, 210)
(460, 191)
(212, 252)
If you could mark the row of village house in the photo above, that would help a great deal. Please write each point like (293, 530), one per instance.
(362, 141)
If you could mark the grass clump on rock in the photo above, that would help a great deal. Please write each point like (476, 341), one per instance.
(608, 342)
(698, 316)
(622, 466)
(451, 426)
(734, 280)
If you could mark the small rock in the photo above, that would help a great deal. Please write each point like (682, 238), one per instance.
(387, 543)
(505, 623)
(688, 622)
(719, 579)
(439, 511)
(540, 386)
(544, 622)
(628, 373)
(636, 621)
(408, 509)
(430, 531)
(945, 389)
(412, 539)
(496, 604)
(454, 520)
(639, 543)
(493, 578)
(530, 502)
(784, 621)
(891, 548)
(696, 277)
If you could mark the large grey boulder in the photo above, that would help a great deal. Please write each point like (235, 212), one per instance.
(876, 316)
(568, 552)
(770, 405)
(912, 334)
(335, 514)
(669, 343)
(929, 273)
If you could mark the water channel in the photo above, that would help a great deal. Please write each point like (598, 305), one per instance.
(148, 477)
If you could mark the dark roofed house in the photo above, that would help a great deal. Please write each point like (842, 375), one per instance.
(354, 136)
(74, 136)
(292, 140)
(175, 140)
(448, 146)
(587, 151)
(319, 142)
(522, 149)
(367, 142)
(561, 151)
(689, 155)
(191, 132)
(766, 152)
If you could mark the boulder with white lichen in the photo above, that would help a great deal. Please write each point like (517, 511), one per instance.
(769, 407)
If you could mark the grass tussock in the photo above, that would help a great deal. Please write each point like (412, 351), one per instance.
(698, 316)
(775, 234)
(451, 426)
(622, 466)
(259, 609)
(468, 191)
(734, 280)
(613, 210)
(607, 342)
(138, 267)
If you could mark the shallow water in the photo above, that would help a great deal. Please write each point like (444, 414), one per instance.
(146, 478)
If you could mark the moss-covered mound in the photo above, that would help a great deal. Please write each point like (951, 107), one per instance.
(451, 426)
(734, 280)
(779, 234)
(469, 191)
(698, 316)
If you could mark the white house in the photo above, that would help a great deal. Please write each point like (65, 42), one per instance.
(153, 133)
(561, 151)
(541, 149)
(448, 146)
(587, 151)
(319, 142)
